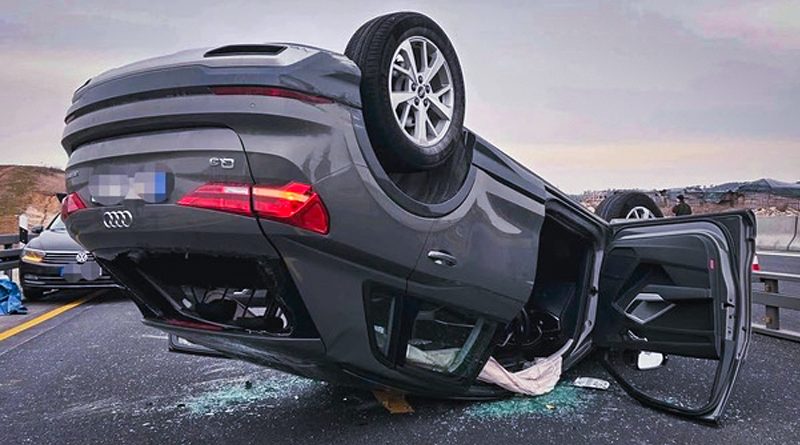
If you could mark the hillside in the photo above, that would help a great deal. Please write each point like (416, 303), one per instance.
(30, 190)
(765, 196)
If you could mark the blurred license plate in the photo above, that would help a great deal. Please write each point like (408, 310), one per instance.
(112, 189)
(88, 271)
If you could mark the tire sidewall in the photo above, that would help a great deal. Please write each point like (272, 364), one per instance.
(32, 294)
(617, 206)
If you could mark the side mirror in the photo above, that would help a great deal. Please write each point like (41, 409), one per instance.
(645, 360)
(36, 230)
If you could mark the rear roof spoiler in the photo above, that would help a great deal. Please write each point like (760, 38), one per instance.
(245, 50)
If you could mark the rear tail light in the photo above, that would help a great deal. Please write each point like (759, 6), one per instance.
(71, 204)
(271, 92)
(756, 266)
(232, 198)
(295, 204)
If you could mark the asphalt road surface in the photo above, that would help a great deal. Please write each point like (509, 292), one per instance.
(95, 374)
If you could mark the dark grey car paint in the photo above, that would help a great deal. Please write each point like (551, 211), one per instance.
(373, 238)
(492, 236)
(299, 67)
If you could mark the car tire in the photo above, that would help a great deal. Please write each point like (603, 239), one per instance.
(423, 128)
(628, 205)
(32, 294)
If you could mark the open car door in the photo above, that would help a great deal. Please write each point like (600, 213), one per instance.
(674, 310)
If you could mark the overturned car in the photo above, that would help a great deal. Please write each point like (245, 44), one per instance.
(329, 215)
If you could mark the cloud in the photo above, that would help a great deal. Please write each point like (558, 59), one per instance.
(773, 24)
(621, 74)
(766, 24)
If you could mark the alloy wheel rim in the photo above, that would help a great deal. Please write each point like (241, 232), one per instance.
(421, 91)
(640, 212)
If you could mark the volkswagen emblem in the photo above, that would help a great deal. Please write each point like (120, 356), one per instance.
(117, 219)
(82, 257)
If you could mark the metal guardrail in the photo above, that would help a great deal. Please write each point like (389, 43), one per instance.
(773, 301)
(9, 256)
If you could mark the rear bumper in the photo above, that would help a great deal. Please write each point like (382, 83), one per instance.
(192, 72)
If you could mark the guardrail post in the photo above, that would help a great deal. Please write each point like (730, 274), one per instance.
(772, 314)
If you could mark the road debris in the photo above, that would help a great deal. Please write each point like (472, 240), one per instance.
(394, 402)
(591, 382)
(224, 397)
(564, 399)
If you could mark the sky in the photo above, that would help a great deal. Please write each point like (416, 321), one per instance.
(588, 94)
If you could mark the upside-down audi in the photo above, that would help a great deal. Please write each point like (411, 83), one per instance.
(358, 233)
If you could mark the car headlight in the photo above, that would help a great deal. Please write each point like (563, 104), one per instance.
(32, 255)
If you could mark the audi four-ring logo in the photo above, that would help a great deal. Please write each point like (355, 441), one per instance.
(117, 219)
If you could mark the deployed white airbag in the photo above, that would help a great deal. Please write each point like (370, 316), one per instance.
(540, 378)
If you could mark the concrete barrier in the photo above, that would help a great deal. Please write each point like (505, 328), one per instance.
(795, 244)
(777, 233)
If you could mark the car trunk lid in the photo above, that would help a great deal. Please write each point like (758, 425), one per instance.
(156, 167)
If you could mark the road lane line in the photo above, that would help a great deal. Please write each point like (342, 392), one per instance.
(44, 317)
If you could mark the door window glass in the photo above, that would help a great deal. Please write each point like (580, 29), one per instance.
(381, 308)
(415, 334)
(442, 339)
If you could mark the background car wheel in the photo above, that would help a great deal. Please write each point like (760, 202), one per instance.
(628, 205)
(412, 90)
(32, 294)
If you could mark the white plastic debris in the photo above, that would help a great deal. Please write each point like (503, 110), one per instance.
(536, 380)
(591, 382)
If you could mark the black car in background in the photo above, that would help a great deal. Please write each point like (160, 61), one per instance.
(53, 261)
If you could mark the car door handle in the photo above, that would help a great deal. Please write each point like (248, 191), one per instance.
(442, 258)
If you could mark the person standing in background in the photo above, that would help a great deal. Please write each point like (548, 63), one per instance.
(681, 209)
